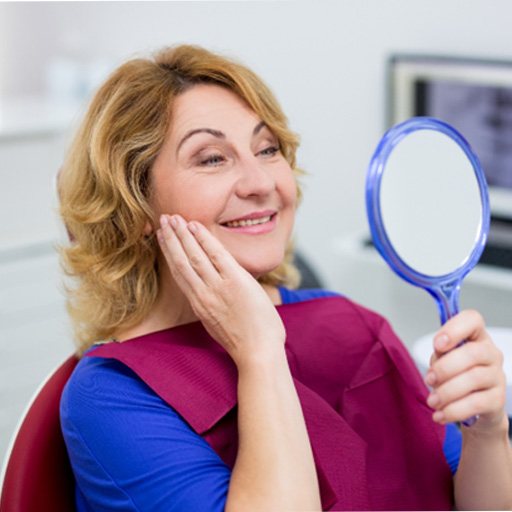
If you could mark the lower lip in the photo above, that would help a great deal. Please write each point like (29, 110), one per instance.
(256, 229)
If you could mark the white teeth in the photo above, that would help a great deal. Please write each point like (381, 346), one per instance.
(251, 222)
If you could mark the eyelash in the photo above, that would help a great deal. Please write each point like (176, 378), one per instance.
(209, 161)
(216, 159)
(273, 150)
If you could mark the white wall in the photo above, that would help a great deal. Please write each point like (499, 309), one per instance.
(324, 60)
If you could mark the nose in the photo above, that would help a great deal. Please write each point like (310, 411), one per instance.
(255, 179)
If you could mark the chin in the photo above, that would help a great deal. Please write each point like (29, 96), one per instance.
(258, 267)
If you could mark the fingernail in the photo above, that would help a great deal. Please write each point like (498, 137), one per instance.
(192, 226)
(163, 220)
(174, 221)
(438, 416)
(442, 341)
(430, 378)
(433, 400)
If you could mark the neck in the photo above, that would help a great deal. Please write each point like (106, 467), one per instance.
(172, 308)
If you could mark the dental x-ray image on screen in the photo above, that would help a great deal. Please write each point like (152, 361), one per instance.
(484, 115)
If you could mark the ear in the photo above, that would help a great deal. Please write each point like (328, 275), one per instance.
(148, 228)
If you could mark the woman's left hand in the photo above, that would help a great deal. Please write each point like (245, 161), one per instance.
(467, 380)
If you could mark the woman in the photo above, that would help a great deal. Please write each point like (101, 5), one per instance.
(217, 386)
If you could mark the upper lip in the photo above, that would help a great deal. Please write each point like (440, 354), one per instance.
(253, 215)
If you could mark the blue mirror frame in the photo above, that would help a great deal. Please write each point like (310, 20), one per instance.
(444, 288)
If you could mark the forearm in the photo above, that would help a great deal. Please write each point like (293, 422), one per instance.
(274, 469)
(484, 478)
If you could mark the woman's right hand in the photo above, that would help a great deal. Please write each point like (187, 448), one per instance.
(233, 307)
(238, 313)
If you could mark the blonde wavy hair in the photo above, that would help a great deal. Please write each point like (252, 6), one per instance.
(104, 184)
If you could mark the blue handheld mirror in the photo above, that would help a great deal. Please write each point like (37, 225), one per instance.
(428, 208)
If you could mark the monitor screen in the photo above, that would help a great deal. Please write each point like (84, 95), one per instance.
(475, 97)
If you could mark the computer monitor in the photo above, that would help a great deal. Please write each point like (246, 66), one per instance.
(474, 96)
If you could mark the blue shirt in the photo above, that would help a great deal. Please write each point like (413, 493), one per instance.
(131, 451)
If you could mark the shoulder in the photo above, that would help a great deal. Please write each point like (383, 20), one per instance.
(289, 296)
(129, 449)
(338, 325)
(104, 393)
(349, 310)
(99, 381)
(328, 319)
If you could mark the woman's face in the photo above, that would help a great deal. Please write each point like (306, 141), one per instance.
(221, 165)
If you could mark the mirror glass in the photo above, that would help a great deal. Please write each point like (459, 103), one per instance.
(430, 202)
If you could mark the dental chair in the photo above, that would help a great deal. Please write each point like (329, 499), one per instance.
(37, 474)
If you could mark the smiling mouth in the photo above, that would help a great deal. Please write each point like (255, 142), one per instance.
(249, 222)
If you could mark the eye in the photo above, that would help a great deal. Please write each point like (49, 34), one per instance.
(213, 160)
(270, 151)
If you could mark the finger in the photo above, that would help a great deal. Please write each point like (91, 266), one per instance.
(477, 379)
(468, 325)
(177, 260)
(462, 359)
(199, 260)
(477, 403)
(221, 259)
(433, 358)
(430, 378)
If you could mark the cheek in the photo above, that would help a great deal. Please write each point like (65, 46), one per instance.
(200, 200)
(194, 207)
(289, 190)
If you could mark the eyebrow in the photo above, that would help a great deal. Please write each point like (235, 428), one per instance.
(215, 133)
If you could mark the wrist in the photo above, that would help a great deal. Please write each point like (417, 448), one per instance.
(258, 362)
(488, 428)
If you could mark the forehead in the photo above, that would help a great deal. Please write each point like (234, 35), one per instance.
(210, 106)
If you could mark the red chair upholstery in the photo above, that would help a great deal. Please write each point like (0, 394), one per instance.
(38, 475)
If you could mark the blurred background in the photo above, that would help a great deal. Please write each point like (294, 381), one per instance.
(325, 61)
